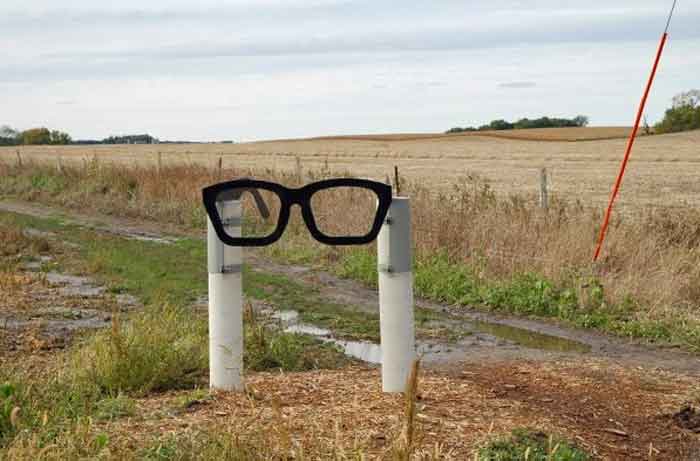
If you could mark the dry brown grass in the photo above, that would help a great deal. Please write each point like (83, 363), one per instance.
(663, 171)
(344, 415)
(650, 257)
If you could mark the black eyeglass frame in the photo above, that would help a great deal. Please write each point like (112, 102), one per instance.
(302, 197)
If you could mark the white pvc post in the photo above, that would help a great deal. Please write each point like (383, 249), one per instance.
(226, 303)
(396, 296)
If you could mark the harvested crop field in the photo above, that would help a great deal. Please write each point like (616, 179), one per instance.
(663, 170)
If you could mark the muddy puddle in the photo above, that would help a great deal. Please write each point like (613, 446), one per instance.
(530, 339)
(51, 307)
(475, 334)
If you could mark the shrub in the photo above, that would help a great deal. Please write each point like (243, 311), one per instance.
(162, 347)
(683, 115)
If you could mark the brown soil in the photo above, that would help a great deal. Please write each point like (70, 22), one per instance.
(688, 418)
(457, 411)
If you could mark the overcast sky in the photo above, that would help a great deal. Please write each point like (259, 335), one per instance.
(260, 69)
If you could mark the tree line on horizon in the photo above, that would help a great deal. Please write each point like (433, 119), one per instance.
(44, 136)
(32, 136)
(525, 123)
(683, 115)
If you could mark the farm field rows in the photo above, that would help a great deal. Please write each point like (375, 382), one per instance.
(663, 170)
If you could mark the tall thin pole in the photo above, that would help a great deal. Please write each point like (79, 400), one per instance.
(633, 135)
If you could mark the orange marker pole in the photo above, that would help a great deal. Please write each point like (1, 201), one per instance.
(630, 143)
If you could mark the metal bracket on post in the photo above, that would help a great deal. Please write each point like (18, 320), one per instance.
(220, 258)
(395, 239)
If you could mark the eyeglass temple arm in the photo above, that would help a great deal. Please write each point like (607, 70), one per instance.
(259, 201)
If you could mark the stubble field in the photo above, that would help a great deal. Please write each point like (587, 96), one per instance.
(582, 162)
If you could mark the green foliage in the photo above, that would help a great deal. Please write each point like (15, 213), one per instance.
(8, 136)
(530, 445)
(162, 347)
(41, 136)
(7, 405)
(59, 138)
(209, 444)
(361, 265)
(35, 136)
(499, 124)
(577, 300)
(684, 114)
(459, 129)
(268, 349)
(50, 183)
(130, 139)
(345, 320)
(525, 123)
(190, 398)
(115, 407)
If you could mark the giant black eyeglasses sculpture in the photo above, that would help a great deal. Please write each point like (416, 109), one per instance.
(360, 204)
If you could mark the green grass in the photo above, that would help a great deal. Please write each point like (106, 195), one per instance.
(529, 294)
(267, 349)
(8, 414)
(528, 445)
(162, 347)
(285, 294)
(207, 445)
(116, 407)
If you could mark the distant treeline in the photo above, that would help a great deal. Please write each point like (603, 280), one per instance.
(683, 115)
(41, 136)
(526, 123)
(128, 139)
(10, 137)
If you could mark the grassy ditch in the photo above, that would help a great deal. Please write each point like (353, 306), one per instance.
(580, 301)
(176, 274)
(159, 348)
(472, 247)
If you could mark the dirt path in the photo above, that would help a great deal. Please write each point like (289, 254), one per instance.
(494, 337)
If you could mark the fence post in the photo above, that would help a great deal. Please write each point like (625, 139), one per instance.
(225, 302)
(19, 159)
(397, 180)
(299, 172)
(396, 322)
(544, 197)
(160, 162)
(59, 165)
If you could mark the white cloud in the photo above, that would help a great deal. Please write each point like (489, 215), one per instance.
(256, 69)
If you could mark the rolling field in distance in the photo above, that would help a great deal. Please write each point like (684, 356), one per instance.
(582, 162)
